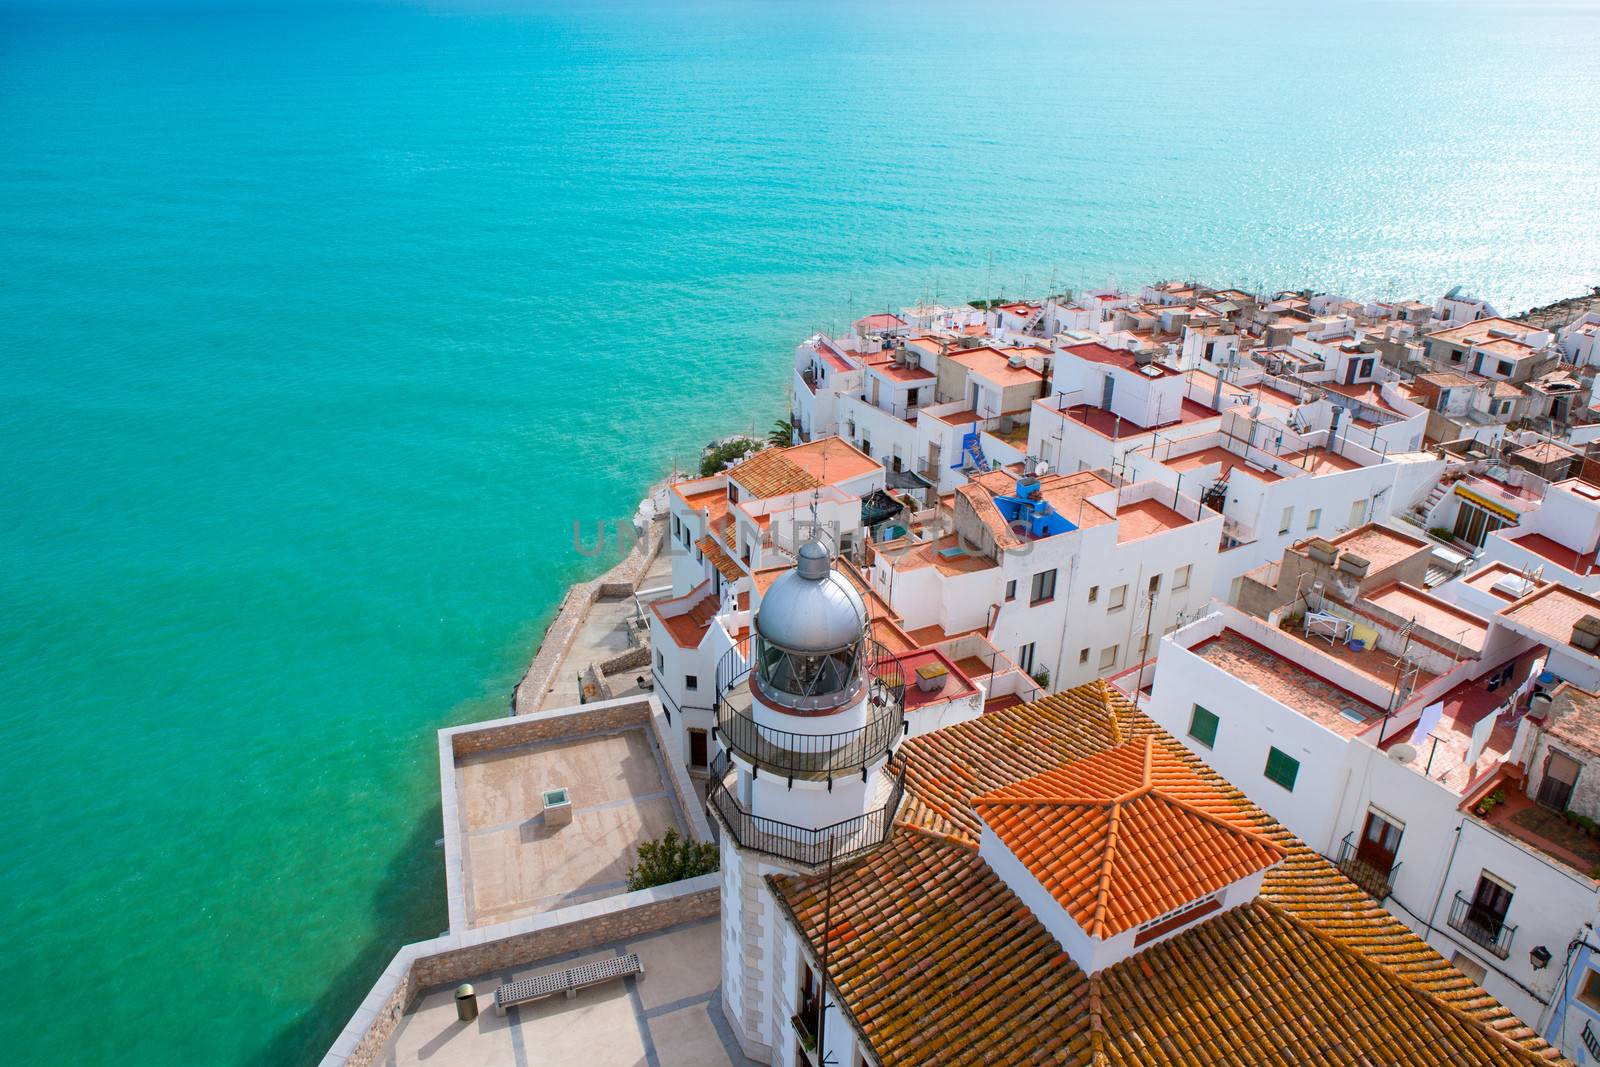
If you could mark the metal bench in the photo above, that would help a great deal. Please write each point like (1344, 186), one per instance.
(569, 981)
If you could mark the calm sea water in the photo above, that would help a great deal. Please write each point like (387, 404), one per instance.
(323, 326)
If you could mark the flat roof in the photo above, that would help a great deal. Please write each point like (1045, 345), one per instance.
(1552, 550)
(1320, 460)
(1551, 612)
(1095, 352)
(1108, 425)
(1218, 454)
(1378, 545)
(1438, 616)
(1143, 518)
(994, 365)
(947, 554)
(1484, 578)
(1289, 683)
(516, 863)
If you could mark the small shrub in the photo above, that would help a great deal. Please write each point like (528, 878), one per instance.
(1042, 677)
(720, 455)
(1442, 534)
(671, 859)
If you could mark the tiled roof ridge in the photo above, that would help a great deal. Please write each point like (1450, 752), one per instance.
(936, 835)
(1108, 861)
(1097, 1023)
(1371, 965)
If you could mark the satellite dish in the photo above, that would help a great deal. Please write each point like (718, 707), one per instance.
(1403, 753)
(1042, 469)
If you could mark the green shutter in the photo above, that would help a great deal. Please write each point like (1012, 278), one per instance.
(1203, 727)
(1282, 768)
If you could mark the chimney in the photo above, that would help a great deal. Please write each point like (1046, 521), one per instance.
(1356, 566)
(1586, 633)
(1321, 550)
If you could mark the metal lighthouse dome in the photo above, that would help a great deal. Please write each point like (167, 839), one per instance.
(813, 608)
(810, 634)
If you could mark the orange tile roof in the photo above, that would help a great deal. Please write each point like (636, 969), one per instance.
(719, 558)
(934, 959)
(771, 473)
(1125, 835)
(1552, 611)
(831, 460)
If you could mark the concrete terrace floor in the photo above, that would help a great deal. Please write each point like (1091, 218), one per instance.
(514, 864)
(671, 1017)
(604, 634)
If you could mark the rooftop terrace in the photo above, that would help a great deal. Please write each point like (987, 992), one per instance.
(515, 862)
(1289, 683)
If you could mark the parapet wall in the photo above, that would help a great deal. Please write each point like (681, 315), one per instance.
(619, 581)
(582, 720)
(455, 958)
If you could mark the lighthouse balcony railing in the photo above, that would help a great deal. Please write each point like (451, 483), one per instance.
(804, 846)
(800, 754)
(797, 755)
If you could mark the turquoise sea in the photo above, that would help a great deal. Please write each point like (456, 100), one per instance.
(324, 325)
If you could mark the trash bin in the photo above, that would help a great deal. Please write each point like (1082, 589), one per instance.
(466, 1003)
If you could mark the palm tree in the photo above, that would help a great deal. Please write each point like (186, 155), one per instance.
(782, 434)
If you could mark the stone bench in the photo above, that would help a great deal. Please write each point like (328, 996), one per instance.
(569, 981)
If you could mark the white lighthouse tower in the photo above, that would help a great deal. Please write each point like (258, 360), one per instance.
(805, 727)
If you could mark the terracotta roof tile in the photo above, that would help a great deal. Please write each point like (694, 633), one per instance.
(1125, 836)
(719, 558)
(936, 961)
(771, 473)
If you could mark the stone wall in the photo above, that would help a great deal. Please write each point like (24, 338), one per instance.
(619, 714)
(449, 960)
(520, 950)
(619, 581)
(633, 658)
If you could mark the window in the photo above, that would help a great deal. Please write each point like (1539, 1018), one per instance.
(911, 397)
(1457, 356)
(1504, 367)
(691, 681)
(1155, 584)
(733, 493)
(1011, 589)
(1180, 577)
(1589, 991)
(661, 661)
(1314, 518)
(1094, 593)
(1118, 598)
(1083, 655)
(677, 527)
(1282, 768)
(1380, 841)
(1470, 967)
(1044, 586)
(1203, 726)
(1287, 521)
(1358, 511)
(1108, 657)
(1025, 658)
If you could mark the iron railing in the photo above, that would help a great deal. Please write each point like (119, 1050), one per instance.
(1377, 882)
(805, 1028)
(798, 845)
(1591, 1040)
(796, 754)
(1481, 926)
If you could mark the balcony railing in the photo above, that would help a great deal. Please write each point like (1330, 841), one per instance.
(1591, 1040)
(1481, 926)
(805, 1028)
(799, 845)
(1374, 880)
(806, 755)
